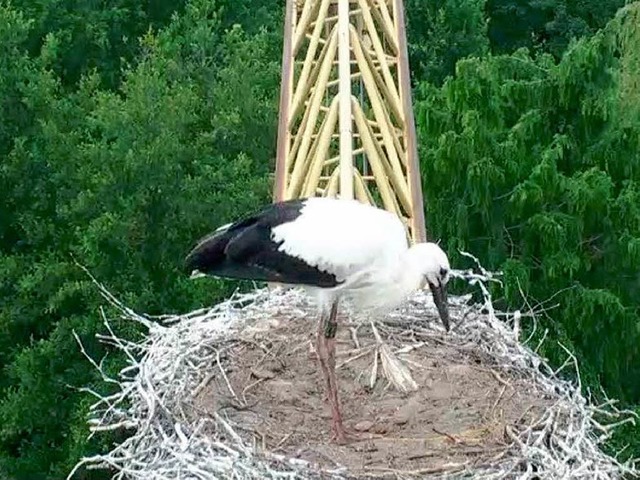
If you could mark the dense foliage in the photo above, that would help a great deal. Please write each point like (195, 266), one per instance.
(542, 163)
(442, 32)
(128, 129)
(547, 26)
(121, 181)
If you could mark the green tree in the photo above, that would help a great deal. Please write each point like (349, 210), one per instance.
(541, 162)
(442, 32)
(90, 36)
(123, 181)
(548, 25)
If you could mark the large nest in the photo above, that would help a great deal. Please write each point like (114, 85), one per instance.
(234, 392)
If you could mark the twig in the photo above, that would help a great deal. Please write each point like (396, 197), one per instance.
(499, 378)
(203, 384)
(354, 336)
(224, 375)
(249, 387)
(355, 357)
(445, 434)
(374, 369)
(495, 404)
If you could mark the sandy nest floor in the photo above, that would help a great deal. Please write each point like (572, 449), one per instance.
(456, 415)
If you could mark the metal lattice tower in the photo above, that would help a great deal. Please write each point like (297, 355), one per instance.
(346, 125)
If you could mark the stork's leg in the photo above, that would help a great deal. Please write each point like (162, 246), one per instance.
(326, 344)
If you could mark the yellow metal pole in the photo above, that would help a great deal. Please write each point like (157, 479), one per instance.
(346, 109)
(285, 99)
(413, 165)
(344, 75)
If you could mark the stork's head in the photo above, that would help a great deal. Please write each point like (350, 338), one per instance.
(434, 266)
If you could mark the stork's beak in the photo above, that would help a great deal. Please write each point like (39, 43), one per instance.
(440, 299)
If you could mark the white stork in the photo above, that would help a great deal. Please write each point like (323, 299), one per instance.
(334, 249)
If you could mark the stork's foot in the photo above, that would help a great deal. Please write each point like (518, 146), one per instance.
(339, 434)
(342, 436)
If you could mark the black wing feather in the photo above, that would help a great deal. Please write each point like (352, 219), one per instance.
(245, 250)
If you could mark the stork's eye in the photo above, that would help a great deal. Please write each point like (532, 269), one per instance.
(443, 272)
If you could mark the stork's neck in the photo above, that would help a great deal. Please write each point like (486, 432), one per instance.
(410, 271)
(388, 284)
(397, 282)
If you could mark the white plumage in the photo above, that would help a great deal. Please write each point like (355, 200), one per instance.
(366, 248)
(341, 235)
(335, 249)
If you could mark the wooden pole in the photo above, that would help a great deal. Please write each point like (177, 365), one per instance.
(344, 76)
(285, 97)
(413, 164)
